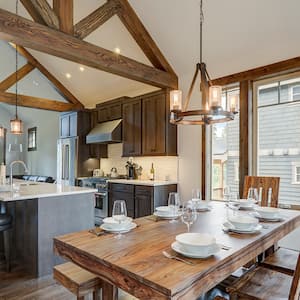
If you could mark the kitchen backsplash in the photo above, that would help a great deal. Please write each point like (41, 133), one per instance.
(166, 167)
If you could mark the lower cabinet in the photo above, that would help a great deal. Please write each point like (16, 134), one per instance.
(141, 200)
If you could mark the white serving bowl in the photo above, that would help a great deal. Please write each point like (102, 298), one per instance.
(201, 243)
(243, 222)
(113, 224)
(245, 203)
(165, 210)
(267, 212)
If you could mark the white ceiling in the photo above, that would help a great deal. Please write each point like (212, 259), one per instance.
(238, 35)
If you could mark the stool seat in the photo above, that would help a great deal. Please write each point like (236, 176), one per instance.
(5, 219)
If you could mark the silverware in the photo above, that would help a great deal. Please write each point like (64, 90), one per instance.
(224, 247)
(168, 255)
(97, 232)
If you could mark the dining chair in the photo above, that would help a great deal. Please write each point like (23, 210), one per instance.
(262, 284)
(263, 184)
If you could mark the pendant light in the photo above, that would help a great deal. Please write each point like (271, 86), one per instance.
(211, 110)
(16, 125)
(2, 131)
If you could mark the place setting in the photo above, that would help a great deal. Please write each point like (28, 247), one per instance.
(267, 214)
(233, 200)
(198, 203)
(119, 223)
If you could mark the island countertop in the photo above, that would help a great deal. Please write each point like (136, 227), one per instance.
(31, 190)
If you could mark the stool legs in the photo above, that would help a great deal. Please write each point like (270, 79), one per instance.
(7, 250)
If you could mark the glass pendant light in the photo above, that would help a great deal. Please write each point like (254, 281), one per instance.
(2, 131)
(16, 125)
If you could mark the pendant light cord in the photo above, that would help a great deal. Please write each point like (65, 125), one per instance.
(17, 63)
(201, 25)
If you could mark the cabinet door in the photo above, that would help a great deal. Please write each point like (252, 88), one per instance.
(143, 201)
(127, 197)
(154, 125)
(132, 133)
(64, 126)
(115, 111)
(103, 113)
(73, 124)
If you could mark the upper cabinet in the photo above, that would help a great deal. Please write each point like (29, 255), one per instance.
(131, 130)
(74, 124)
(110, 110)
(154, 124)
(146, 127)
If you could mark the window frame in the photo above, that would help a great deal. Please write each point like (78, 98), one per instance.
(295, 166)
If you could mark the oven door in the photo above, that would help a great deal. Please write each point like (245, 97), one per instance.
(101, 207)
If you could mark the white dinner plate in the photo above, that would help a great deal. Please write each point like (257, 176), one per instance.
(229, 227)
(107, 228)
(278, 218)
(177, 248)
(166, 216)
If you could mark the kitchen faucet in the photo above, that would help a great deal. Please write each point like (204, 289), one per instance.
(11, 169)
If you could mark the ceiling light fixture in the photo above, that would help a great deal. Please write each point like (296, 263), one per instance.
(117, 50)
(81, 68)
(16, 125)
(211, 110)
(68, 75)
(2, 131)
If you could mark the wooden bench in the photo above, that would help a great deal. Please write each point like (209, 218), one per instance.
(77, 280)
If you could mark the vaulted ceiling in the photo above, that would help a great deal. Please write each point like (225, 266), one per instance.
(238, 35)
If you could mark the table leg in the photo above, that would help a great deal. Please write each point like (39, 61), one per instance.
(109, 291)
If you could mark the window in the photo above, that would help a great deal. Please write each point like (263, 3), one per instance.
(32, 139)
(225, 153)
(296, 172)
(276, 132)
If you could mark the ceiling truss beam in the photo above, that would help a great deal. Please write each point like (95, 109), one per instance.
(11, 79)
(94, 20)
(35, 102)
(64, 10)
(39, 37)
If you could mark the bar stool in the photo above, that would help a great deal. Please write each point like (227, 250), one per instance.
(5, 227)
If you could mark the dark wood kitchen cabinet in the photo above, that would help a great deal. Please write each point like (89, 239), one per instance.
(154, 124)
(110, 110)
(74, 124)
(131, 130)
(141, 200)
(146, 127)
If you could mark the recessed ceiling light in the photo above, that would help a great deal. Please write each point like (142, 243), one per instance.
(117, 50)
(81, 68)
(68, 75)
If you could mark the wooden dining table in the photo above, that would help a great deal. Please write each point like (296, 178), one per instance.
(135, 263)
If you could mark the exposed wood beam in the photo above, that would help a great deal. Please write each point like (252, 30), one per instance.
(245, 96)
(29, 34)
(33, 12)
(35, 102)
(138, 31)
(11, 79)
(253, 74)
(94, 20)
(43, 8)
(61, 89)
(64, 11)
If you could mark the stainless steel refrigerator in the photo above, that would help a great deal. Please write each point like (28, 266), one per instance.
(67, 157)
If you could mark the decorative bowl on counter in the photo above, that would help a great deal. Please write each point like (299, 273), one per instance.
(113, 224)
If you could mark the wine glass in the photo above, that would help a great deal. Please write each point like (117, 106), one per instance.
(119, 214)
(196, 197)
(252, 195)
(188, 216)
(226, 193)
(174, 203)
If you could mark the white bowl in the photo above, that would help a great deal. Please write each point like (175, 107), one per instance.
(201, 243)
(113, 224)
(166, 210)
(243, 222)
(267, 212)
(245, 203)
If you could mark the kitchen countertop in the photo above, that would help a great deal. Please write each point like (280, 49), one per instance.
(32, 190)
(142, 182)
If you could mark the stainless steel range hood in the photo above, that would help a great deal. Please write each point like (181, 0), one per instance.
(106, 133)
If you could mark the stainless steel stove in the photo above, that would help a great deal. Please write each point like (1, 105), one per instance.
(101, 196)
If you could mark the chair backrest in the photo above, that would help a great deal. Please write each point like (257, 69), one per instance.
(295, 287)
(265, 183)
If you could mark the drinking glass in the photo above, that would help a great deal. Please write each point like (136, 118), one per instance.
(174, 203)
(226, 193)
(233, 202)
(188, 216)
(119, 214)
(196, 197)
(252, 195)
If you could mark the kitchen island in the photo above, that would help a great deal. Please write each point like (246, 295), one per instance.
(41, 211)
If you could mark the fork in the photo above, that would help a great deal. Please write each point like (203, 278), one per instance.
(168, 255)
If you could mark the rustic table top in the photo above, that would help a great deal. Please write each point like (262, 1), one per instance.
(136, 264)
